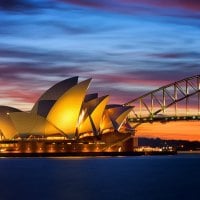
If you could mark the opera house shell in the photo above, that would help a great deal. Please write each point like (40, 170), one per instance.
(67, 116)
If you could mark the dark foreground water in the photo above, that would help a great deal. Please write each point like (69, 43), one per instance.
(125, 178)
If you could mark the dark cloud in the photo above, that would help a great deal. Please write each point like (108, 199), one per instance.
(87, 3)
(6, 52)
(190, 68)
(185, 4)
(16, 5)
(162, 75)
(72, 29)
(111, 5)
(177, 55)
(27, 72)
(78, 29)
(26, 5)
(161, 7)
(46, 57)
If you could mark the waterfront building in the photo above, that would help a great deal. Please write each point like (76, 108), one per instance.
(67, 119)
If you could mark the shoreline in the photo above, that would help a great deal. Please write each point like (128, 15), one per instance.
(85, 154)
(189, 152)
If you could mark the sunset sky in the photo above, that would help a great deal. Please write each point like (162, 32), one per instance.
(128, 47)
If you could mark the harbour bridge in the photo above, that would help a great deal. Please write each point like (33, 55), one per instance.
(173, 102)
(177, 101)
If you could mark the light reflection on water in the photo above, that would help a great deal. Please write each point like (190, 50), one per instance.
(99, 178)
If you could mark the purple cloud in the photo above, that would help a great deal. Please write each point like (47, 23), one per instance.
(162, 7)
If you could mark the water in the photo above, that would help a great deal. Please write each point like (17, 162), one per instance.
(114, 178)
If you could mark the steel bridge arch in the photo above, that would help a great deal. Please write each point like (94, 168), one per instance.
(174, 92)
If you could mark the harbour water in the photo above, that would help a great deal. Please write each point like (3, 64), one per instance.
(101, 178)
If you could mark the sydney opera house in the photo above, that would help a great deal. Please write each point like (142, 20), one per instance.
(66, 119)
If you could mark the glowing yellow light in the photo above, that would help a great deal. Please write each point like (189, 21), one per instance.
(65, 112)
(81, 117)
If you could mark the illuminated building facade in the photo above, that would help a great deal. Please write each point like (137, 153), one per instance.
(66, 119)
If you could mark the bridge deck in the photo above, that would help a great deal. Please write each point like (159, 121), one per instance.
(164, 119)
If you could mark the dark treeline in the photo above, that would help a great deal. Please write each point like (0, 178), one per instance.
(178, 144)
